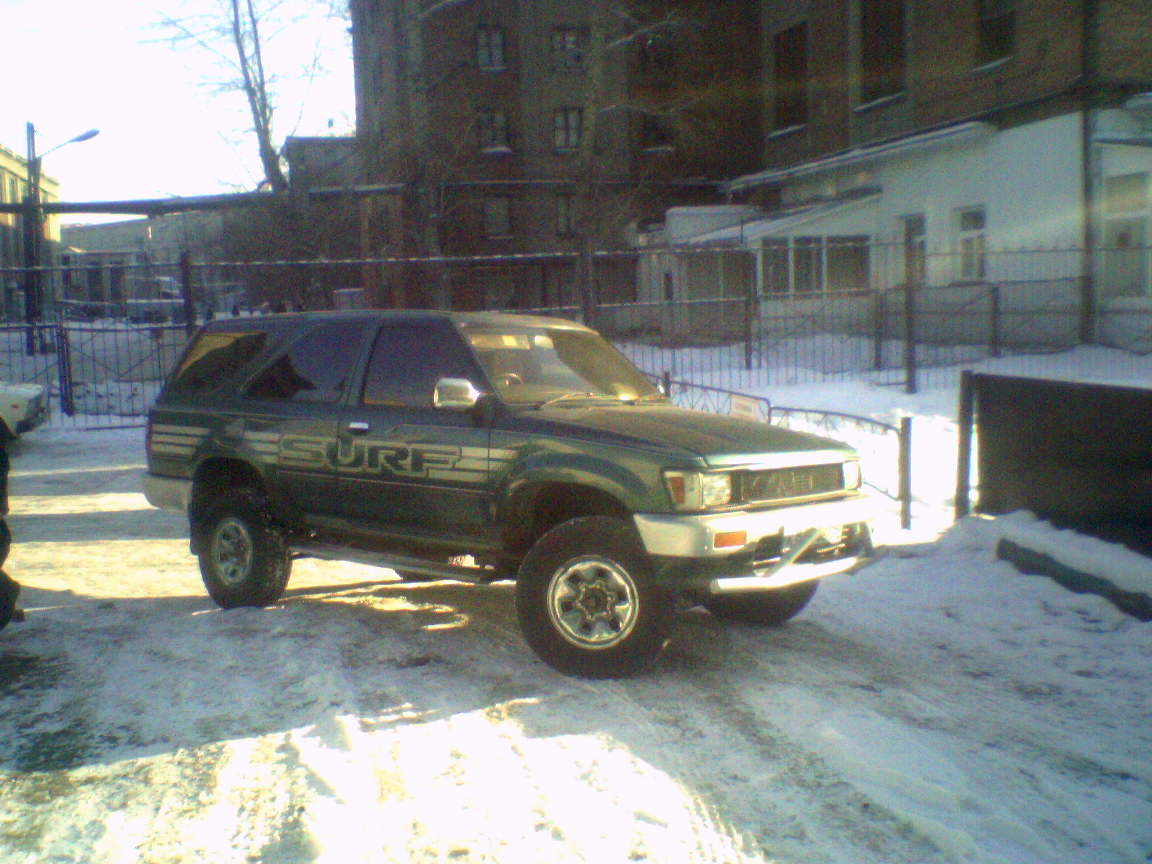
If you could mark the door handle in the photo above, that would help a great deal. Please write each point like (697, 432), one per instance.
(358, 427)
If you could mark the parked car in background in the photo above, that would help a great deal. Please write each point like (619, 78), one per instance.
(23, 407)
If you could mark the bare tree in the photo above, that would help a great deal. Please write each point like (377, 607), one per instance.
(234, 35)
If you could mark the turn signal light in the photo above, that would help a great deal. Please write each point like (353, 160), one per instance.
(729, 539)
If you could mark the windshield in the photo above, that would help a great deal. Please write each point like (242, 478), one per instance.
(540, 364)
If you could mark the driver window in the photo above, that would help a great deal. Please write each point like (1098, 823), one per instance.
(408, 360)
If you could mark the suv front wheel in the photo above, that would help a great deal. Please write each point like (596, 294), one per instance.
(244, 559)
(587, 602)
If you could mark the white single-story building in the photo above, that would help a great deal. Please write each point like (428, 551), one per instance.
(987, 223)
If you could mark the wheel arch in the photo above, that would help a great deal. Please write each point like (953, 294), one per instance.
(212, 478)
(535, 508)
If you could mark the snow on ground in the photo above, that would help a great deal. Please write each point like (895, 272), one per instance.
(935, 707)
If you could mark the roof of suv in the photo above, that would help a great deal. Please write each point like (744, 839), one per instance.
(499, 319)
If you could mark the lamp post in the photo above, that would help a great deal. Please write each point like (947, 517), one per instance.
(34, 231)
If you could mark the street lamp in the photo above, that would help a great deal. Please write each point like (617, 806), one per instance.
(34, 230)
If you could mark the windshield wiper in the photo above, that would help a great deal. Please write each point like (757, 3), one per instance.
(574, 394)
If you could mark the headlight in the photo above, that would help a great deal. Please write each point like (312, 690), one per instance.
(698, 490)
(852, 476)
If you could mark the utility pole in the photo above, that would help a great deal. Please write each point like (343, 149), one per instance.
(32, 237)
(34, 232)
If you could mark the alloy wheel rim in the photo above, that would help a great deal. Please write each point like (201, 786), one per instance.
(232, 551)
(593, 603)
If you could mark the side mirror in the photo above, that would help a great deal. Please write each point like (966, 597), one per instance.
(455, 394)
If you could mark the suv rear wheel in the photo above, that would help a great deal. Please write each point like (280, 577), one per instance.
(587, 602)
(244, 558)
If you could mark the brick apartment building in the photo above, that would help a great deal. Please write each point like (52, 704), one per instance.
(911, 140)
(536, 127)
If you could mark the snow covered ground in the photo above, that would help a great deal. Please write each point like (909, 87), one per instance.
(935, 707)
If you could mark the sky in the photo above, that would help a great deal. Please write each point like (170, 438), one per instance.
(164, 128)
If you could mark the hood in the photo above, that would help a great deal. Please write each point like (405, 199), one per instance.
(718, 439)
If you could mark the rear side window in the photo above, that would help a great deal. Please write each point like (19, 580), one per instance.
(215, 357)
(315, 368)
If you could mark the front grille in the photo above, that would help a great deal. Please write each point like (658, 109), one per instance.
(835, 543)
(783, 484)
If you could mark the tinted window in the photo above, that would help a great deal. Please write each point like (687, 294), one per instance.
(214, 357)
(408, 360)
(316, 368)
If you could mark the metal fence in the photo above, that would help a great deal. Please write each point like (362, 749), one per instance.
(712, 318)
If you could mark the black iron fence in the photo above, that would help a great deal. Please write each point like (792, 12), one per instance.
(728, 319)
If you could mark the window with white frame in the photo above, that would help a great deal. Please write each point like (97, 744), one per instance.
(776, 270)
(490, 47)
(567, 128)
(492, 130)
(812, 264)
(1125, 256)
(970, 244)
(568, 47)
(807, 265)
(497, 217)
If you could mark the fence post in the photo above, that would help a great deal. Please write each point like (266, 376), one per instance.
(878, 330)
(994, 347)
(905, 473)
(965, 418)
(749, 329)
(186, 292)
(910, 336)
(64, 371)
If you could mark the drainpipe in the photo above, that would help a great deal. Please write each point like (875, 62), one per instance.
(1089, 64)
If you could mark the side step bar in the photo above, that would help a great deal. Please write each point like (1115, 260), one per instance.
(331, 552)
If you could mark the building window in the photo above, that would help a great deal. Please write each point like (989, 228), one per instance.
(970, 236)
(882, 59)
(914, 242)
(1125, 260)
(790, 63)
(492, 129)
(497, 217)
(490, 48)
(1126, 193)
(997, 35)
(567, 127)
(565, 215)
(808, 265)
(568, 47)
(656, 133)
(848, 263)
(656, 52)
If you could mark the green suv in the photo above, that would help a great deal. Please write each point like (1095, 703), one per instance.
(482, 447)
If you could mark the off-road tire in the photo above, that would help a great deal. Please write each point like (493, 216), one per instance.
(587, 602)
(769, 608)
(244, 557)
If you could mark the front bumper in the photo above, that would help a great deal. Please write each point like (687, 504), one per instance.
(32, 421)
(784, 546)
